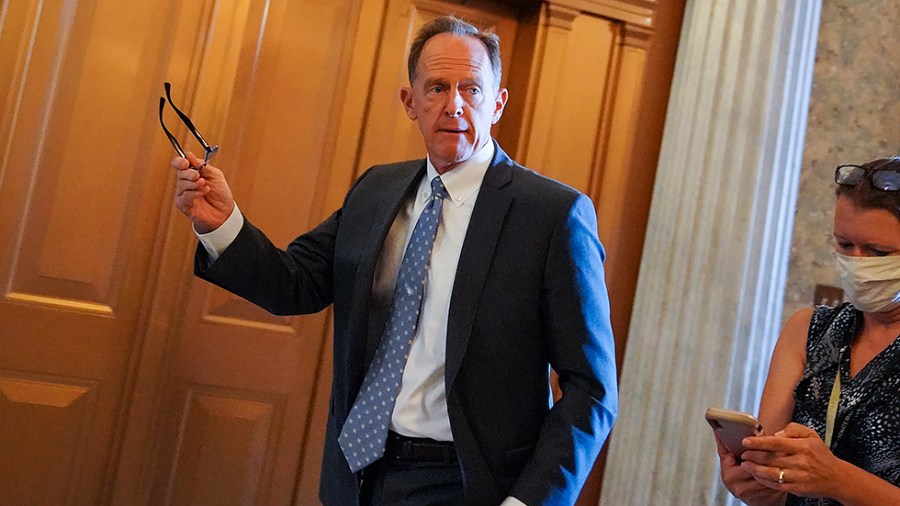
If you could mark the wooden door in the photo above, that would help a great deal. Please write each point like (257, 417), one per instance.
(272, 82)
(80, 198)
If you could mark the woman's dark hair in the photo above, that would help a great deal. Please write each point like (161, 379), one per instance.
(866, 196)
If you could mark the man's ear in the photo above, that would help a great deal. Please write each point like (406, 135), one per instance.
(406, 97)
(499, 104)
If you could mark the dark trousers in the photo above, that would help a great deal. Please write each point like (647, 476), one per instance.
(395, 483)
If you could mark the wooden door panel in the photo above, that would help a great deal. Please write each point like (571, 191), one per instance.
(76, 218)
(46, 417)
(240, 394)
(573, 137)
(229, 448)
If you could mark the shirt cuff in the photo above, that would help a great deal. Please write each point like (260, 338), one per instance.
(216, 242)
(512, 501)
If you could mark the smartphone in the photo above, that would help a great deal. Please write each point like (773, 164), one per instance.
(732, 427)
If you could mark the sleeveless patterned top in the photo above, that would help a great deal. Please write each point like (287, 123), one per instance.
(867, 425)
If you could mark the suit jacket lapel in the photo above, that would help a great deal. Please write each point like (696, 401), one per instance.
(475, 259)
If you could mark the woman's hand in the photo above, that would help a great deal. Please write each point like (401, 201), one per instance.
(742, 484)
(794, 460)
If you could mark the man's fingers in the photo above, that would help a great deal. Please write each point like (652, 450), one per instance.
(195, 161)
(180, 163)
(210, 172)
(185, 185)
(188, 196)
(187, 175)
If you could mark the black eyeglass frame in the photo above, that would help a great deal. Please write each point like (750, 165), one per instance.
(210, 151)
(883, 179)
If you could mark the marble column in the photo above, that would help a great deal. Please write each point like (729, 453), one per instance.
(711, 288)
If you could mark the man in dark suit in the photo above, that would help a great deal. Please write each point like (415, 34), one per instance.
(457, 282)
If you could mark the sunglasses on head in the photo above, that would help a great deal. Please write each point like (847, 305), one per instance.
(884, 179)
(209, 150)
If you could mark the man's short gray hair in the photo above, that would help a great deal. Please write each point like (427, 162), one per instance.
(455, 26)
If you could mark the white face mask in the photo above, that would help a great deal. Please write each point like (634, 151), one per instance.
(872, 284)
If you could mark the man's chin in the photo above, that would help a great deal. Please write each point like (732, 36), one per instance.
(451, 158)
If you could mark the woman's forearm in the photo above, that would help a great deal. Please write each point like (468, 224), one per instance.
(863, 488)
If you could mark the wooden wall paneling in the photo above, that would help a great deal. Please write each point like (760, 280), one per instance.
(307, 487)
(358, 67)
(49, 416)
(389, 134)
(228, 441)
(623, 177)
(75, 215)
(632, 12)
(177, 53)
(562, 124)
(17, 25)
(284, 116)
(551, 33)
(574, 130)
(617, 197)
(528, 52)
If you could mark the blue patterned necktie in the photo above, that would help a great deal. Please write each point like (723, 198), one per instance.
(365, 431)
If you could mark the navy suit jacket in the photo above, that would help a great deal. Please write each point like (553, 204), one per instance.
(529, 294)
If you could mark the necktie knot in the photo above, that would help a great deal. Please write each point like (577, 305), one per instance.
(437, 188)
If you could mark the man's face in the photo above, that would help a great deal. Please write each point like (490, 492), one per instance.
(454, 98)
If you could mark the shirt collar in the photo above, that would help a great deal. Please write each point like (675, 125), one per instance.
(463, 181)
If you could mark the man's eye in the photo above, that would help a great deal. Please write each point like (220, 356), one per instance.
(878, 253)
(437, 89)
(844, 245)
(474, 91)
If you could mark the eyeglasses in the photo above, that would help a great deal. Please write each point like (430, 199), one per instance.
(884, 179)
(210, 151)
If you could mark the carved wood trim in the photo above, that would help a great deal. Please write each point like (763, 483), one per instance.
(636, 36)
(637, 12)
(559, 16)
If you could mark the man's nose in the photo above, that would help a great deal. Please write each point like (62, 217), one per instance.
(454, 105)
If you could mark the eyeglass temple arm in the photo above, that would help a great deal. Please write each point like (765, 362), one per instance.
(187, 121)
(172, 139)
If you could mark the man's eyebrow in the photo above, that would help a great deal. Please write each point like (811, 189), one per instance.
(433, 80)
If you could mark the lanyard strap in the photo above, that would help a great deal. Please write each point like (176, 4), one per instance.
(833, 401)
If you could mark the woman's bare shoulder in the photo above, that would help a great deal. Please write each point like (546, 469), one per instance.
(795, 331)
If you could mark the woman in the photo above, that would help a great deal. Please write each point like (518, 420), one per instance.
(857, 343)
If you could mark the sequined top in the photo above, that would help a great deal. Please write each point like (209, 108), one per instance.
(867, 425)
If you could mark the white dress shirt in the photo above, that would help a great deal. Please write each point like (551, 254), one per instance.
(421, 407)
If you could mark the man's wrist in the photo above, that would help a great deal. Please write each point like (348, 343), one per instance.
(217, 241)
